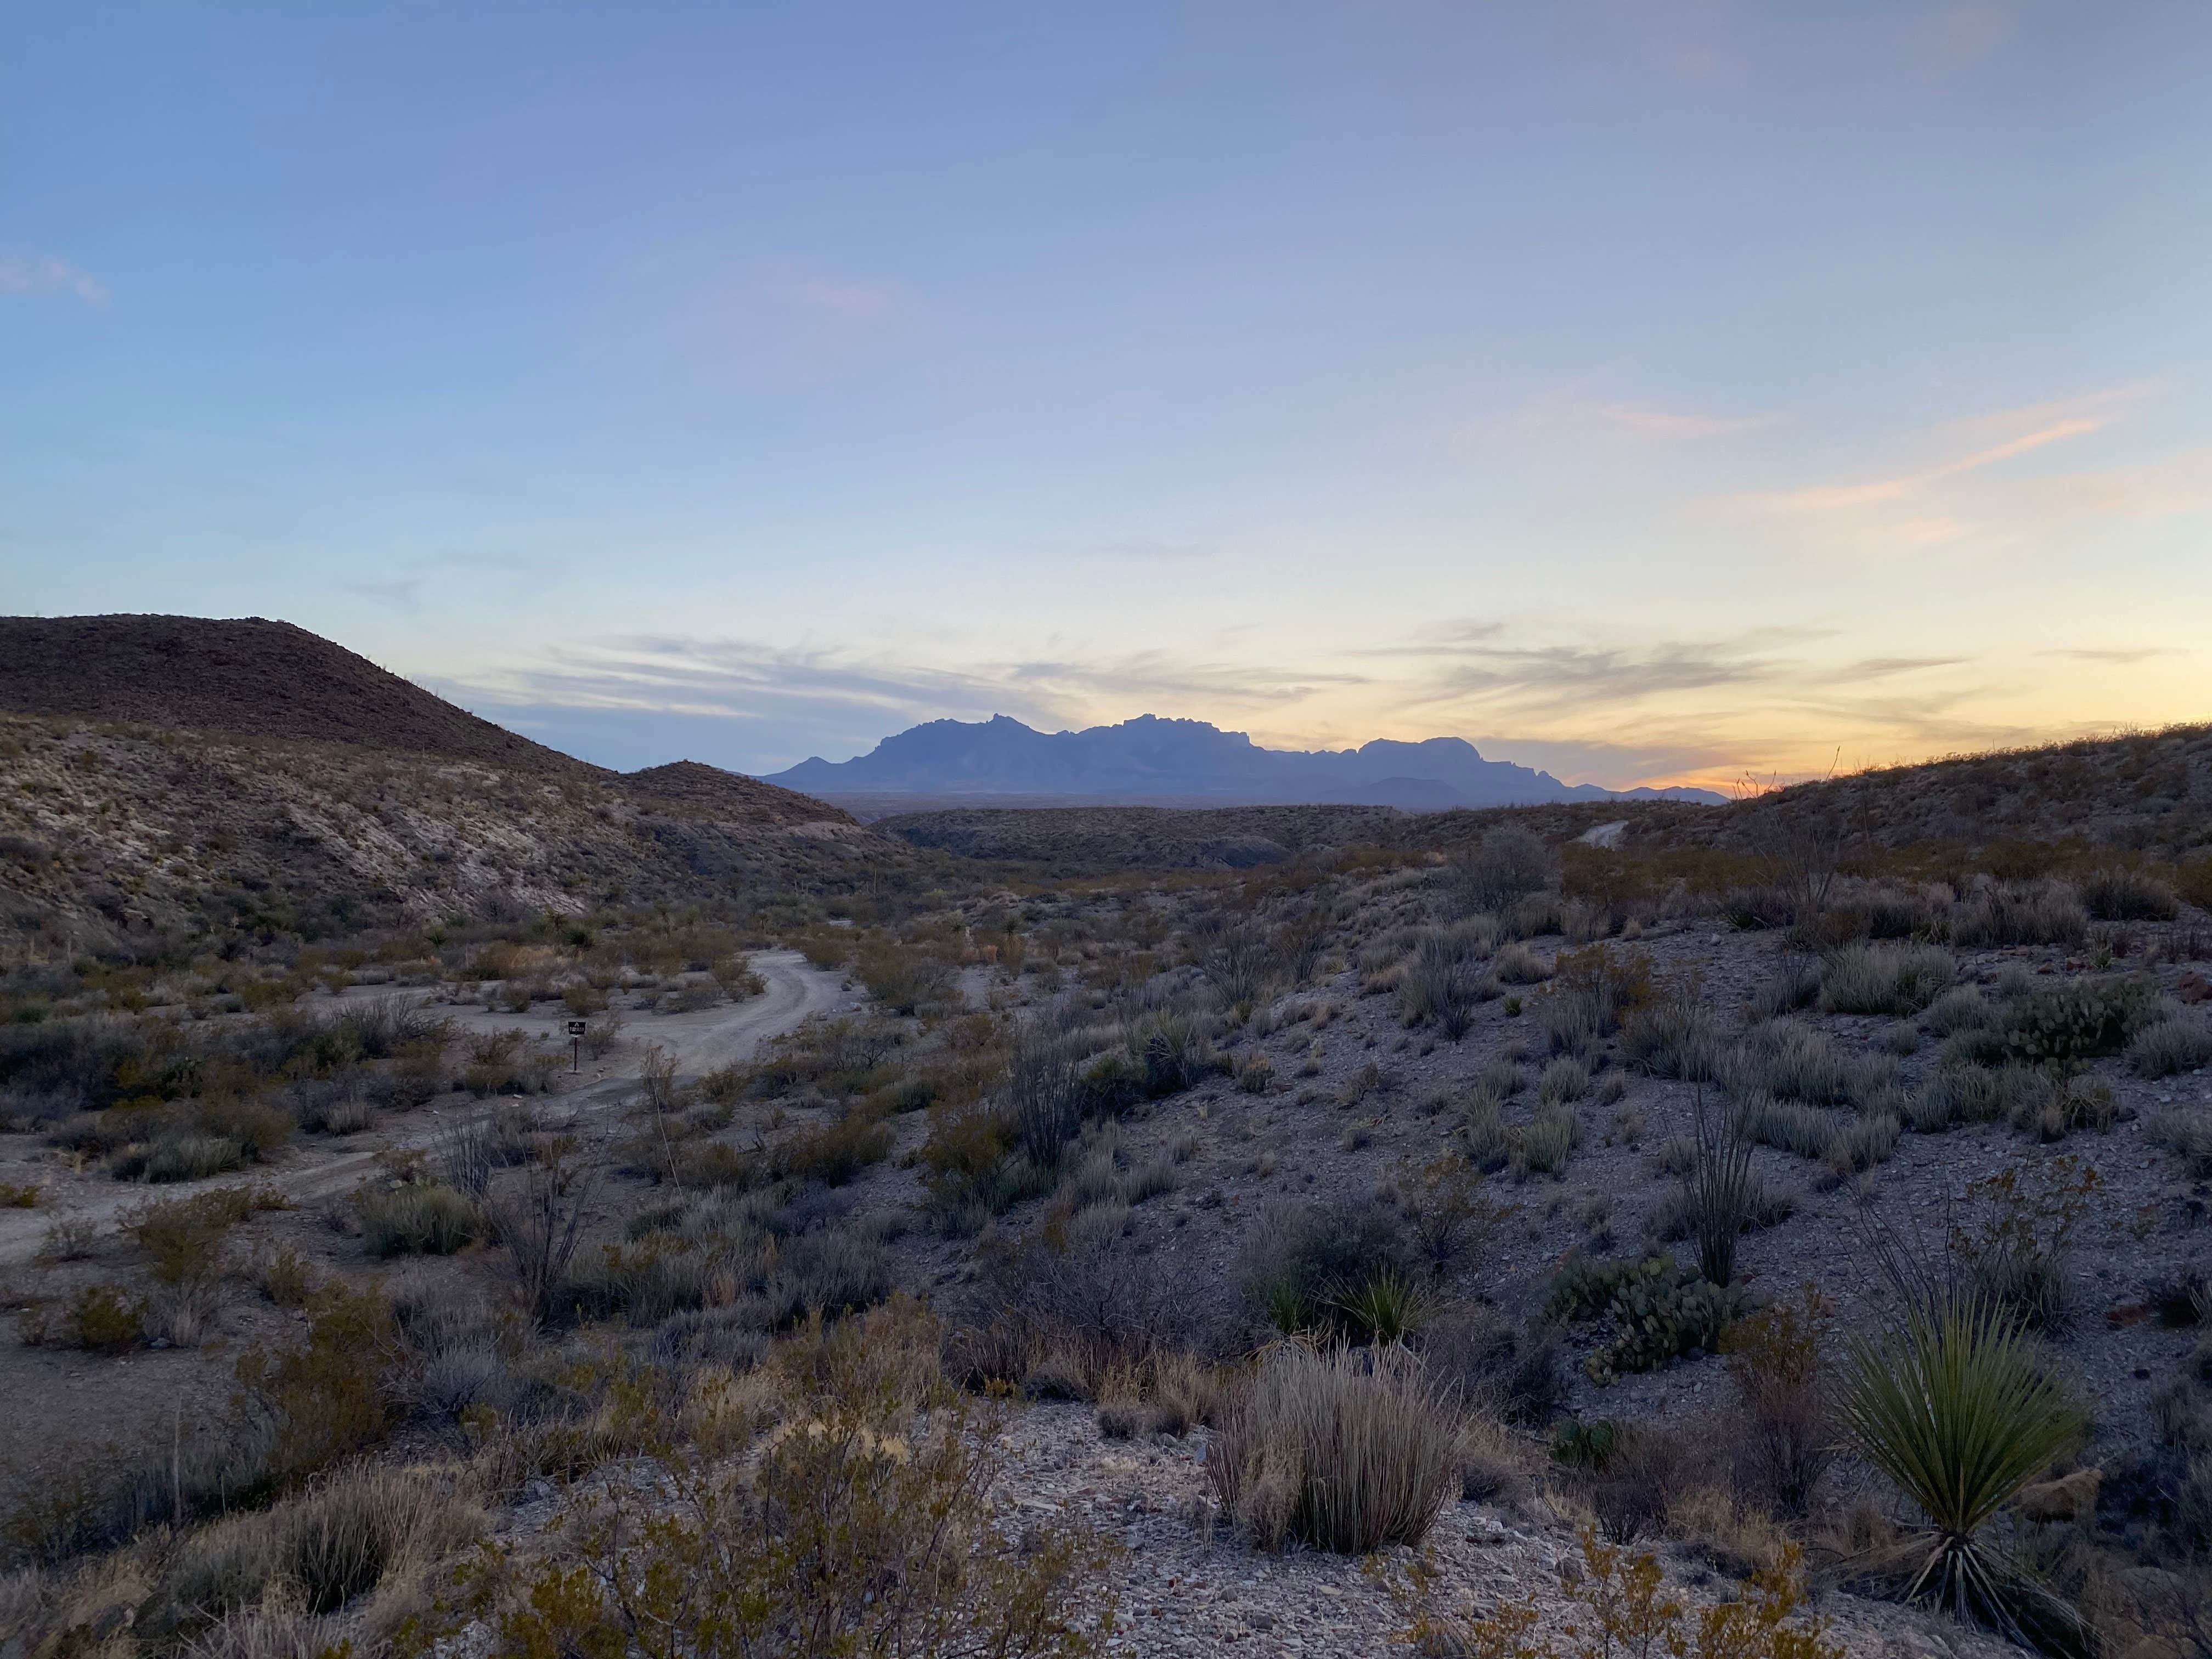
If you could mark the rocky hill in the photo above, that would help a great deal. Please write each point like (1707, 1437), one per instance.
(162, 772)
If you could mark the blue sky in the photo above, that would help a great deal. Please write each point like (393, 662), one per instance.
(1645, 392)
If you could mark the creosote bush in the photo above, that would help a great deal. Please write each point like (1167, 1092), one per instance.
(1617, 1603)
(837, 1500)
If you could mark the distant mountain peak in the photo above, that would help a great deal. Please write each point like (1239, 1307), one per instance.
(1153, 757)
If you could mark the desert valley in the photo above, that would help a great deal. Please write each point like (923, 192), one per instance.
(457, 1200)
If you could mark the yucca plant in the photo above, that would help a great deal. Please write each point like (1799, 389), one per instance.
(1387, 1308)
(1956, 1410)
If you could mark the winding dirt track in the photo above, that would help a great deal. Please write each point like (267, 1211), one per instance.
(700, 1042)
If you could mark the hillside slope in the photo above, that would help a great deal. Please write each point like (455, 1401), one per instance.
(110, 832)
(241, 677)
(159, 772)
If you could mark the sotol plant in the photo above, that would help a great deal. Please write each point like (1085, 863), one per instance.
(1956, 1410)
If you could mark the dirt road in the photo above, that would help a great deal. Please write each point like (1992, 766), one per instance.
(325, 1168)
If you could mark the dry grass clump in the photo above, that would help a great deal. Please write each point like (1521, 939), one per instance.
(1347, 1450)
(2171, 1046)
(423, 1218)
(1998, 913)
(2122, 893)
(2187, 1131)
(1884, 978)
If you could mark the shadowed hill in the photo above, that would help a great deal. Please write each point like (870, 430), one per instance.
(248, 677)
(240, 677)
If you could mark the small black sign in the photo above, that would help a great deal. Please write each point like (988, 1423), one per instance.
(575, 1028)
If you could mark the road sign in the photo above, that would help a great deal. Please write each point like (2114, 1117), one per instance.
(575, 1028)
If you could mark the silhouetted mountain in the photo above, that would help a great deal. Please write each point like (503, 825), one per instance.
(1149, 758)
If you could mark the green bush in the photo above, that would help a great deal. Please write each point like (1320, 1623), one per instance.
(1659, 1315)
(2081, 1021)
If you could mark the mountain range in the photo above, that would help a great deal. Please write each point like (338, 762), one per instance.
(1151, 759)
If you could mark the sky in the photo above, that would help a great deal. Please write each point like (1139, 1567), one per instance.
(1651, 392)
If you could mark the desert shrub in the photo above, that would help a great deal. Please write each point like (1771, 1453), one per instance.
(1478, 1358)
(2012, 1248)
(183, 1314)
(1044, 1092)
(1794, 984)
(1956, 1410)
(971, 1171)
(383, 1027)
(1095, 1299)
(1507, 864)
(1791, 1061)
(508, 1062)
(182, 1155)
(1628, 1474)
(1775, 1362)
(2013, 912)
(1961, 1009)
(103, 1319)
(1445, 1210)
(1618, 1605)
(1968, 1093)
(2187, 1131)
(1344, 1450)
(2117, 893)
(1483, 1138)
(2081, 1021)
(184, 1235)
(866, 1471)
(326, 1395)
(1720, 1191)
(905, 979)
(1517, 964)
(1302, 1266)
(829, 1271)
(1884, 978)
(1171, 1054)
(537, 1223)
(1670, 1036)
(326, 1547)
(1444, 981)
(416, 1218)
(1562, 1082)
(2175, 1044)
(836, 1153)
(1545, 1143)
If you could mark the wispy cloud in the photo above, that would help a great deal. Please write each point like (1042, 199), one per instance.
(51, 275)
(2117, 655)
(1654, 421)
(1960, 449)
(1575, 409)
